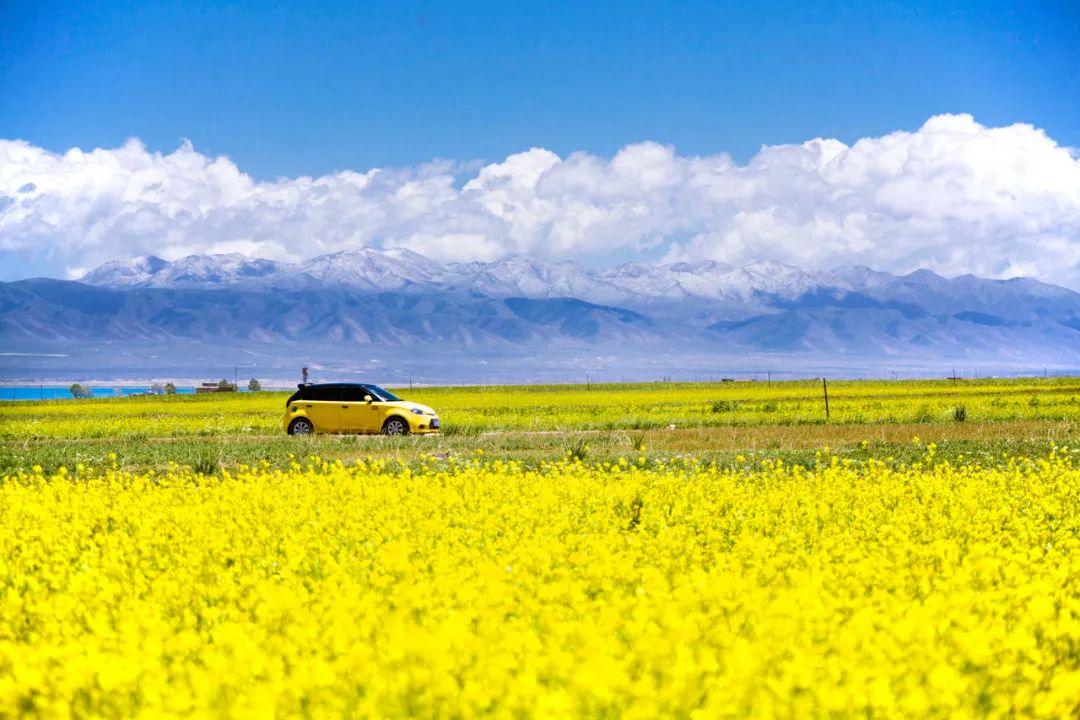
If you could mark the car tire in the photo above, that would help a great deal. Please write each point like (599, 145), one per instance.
(301, 426)
(395, 426)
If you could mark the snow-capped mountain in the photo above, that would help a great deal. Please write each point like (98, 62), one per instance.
(370, 300)
(711, 280)
(134, 272)
(520, 276)
(364, 269)
(368, 269)
(194, 271)
(726, 291)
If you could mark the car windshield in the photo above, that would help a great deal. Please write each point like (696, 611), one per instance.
(381, 394)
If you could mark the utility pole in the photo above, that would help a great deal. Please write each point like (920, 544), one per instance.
(768, 373)
(825, 389)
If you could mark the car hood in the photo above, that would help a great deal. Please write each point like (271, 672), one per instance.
(409, 405)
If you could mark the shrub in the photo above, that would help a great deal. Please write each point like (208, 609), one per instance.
(206, 465)
(635, 512)
(719, 406)
(959, 413)
(170, 389)
(577, 449)
(254, 385)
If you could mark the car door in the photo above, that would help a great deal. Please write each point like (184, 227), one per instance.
(357, 414)
(323, 407)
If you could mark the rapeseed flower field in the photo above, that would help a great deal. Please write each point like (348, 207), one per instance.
(473, 410)
(466, 587)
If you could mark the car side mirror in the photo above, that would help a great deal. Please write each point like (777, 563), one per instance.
(367, 398)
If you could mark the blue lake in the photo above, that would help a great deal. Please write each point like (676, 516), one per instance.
(59, 392)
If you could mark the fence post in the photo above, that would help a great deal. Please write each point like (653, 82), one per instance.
(825, 389)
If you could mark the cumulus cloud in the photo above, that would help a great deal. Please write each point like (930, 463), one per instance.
(953, 196)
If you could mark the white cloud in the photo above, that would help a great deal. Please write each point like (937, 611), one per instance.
(953, 196)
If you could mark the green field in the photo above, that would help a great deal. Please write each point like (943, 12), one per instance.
(715, 421)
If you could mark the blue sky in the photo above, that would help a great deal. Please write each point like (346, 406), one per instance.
(309, 88)
(595, 132)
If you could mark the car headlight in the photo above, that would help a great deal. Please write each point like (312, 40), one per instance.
(416, 411)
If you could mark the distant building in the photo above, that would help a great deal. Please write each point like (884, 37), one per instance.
(216, 387)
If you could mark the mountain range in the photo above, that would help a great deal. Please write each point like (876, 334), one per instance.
(399, 270)
(399, 299)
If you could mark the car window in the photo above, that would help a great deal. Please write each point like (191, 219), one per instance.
(324, 392)
(354, 393)
(380, 393)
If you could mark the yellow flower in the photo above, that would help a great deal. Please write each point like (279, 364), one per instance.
(568, 589)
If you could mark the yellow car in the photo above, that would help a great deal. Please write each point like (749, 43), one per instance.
(354, 408)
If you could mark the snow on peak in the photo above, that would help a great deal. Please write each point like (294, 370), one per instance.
(372, 269)
(634, 284)
(125, 273)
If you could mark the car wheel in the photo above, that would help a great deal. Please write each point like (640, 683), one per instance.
(395, 426)
(301, 426)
